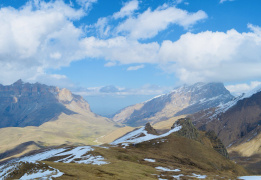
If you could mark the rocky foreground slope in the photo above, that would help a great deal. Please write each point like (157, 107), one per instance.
(140, 154)
(183, 100)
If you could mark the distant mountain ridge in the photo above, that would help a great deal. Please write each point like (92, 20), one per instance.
(24, 104)
(183, 100)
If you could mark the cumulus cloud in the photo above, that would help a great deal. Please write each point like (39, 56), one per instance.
(214, 56)
(127, 9)
(134, 68)
(238, 89)
(36, 37)
(120, 49)
(41, 35)
(141, 27)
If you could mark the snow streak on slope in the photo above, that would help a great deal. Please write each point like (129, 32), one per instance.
(66, 155)
(141, 135)
(78, 155)
(41, 174)
(224, 107)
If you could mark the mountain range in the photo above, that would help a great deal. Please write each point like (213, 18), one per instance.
(35, 116)
(181, 101)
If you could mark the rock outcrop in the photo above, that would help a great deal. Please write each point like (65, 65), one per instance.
(188, 130)
(150, 129)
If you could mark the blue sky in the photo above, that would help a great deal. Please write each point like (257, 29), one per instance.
(117, 53)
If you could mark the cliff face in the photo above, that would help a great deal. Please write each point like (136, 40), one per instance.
(24, 104)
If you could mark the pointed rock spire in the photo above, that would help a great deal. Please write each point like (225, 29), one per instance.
(150, 129)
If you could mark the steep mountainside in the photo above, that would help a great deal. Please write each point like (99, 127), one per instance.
(48, 116)
(183, 100)
(237, 124)
(140, 154)
(25, 104)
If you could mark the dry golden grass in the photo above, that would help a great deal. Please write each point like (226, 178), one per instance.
(115, 134)
(187, 155)
(248, 154)
(68, 129)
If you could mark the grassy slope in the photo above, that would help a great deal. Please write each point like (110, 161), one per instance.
(176, 152)
(72, 129)
(248, 154)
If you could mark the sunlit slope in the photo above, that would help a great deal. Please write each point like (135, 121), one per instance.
(68, 129)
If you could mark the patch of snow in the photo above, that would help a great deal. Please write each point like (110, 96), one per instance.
(48, 174)
(149, 160)
(198, 176)
(250, 177)
(42, 156)
(6, 169)
(178, 176)
(76, 154)
(167, 169)
(135, 137)
(95, 160)
(224, 107)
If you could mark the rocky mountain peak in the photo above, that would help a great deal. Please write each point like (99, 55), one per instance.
(25, 104)
(184, 100)
(150, 129)
(18, 82)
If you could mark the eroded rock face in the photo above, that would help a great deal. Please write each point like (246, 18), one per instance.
(24, 104)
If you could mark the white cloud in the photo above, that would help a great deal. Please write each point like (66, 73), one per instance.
(120, 49)
(55, 55)
(35, 37)
(149, 23)
(214, 56)
(102, 27)
(41, 36)
(127, 9)
(134, 68)
(222, 1)
(110, 64)
(86, 4)
(238, 89)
